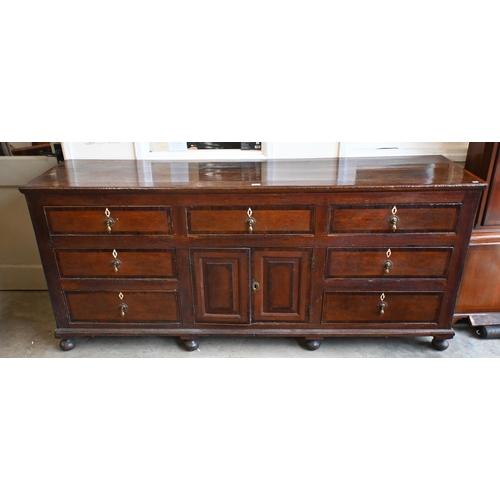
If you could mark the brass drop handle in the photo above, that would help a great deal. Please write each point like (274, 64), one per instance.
(383, 305)
(116, 263)
(123, 309)
(386, 266)
(250, 221)
(108, 221)
(393, 220)
(255, 286)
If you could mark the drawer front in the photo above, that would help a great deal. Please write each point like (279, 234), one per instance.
(235, 220)
(109, 220)
(394, 219)
(116, 263)
(129, 307)
(400, 307)
(388, 262)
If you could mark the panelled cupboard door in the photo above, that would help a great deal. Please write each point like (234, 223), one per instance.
(280, 285)
(220, 281)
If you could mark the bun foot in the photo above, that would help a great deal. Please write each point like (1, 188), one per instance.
(67, 344)
(312, 345)
(191, 344)
(440, 345)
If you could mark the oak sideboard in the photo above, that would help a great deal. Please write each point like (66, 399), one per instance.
(358, 247)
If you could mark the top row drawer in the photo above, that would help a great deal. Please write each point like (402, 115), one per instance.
(109, 220)
(395, 219)
(255, 219)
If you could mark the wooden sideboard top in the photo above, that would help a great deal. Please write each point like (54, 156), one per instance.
(411, 172)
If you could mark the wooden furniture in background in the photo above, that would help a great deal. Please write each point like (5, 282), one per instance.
(37, 148)
(371, 247)
(479, 297)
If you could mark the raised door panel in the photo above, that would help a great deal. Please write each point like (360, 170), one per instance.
(221, 285)
(281, 285)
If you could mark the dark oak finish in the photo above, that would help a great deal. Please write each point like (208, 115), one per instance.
(479, 297)
(286, 248)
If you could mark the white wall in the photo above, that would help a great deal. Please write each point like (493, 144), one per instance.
(454, 150)
(127, 150)
(20, 265)
(99, 150)
(303, 149)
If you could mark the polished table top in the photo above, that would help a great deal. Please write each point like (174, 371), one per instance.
(330, 174)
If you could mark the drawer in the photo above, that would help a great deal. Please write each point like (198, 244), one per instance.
(116, 263)
(366, 307)
(128, 307)
(109, 220)
(394, 218)
(388, 262)
(235, 220)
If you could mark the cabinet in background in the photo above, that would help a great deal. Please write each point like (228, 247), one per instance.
(479, 297)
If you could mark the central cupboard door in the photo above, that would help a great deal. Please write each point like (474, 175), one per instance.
(241, 286)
